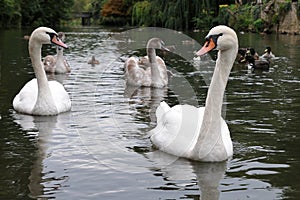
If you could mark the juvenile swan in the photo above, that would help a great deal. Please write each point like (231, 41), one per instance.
(153, 73)
(40, 96)
(201, 133)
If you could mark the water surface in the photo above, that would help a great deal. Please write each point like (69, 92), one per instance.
(101, 150)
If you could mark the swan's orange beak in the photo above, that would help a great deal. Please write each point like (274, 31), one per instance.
(207, 47)
(58, 42)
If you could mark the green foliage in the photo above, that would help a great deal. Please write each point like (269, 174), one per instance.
(10, 14)
(223, 17)
(246, 17)
(243, 18)
(174, 14)
(275, 19)
(258, 25)
(34, 12)
(141, 12)
(114, 12)
(284, 7)
(82, 6)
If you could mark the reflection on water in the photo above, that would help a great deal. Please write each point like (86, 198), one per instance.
(101, 150)
(183, 174)
(45, 127)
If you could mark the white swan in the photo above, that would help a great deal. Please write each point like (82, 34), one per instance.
(57, 63)
(149, 71)
(201, 133)
(40, 96)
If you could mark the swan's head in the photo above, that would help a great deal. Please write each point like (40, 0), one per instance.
(220, 38)
(44, 35)
(61, 36)
(156, 43)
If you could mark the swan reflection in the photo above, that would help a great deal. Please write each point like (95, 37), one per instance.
(149, 97)
(208, 174)
(42, 127)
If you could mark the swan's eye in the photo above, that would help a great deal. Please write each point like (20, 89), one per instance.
(214, 38)
(51, 35)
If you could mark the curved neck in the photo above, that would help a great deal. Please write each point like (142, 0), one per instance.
(151, 55)
(214, 99)
(155, 74)
(59, 51)
(35, 55)
(44, 97)
(210, 131)
(60, 66)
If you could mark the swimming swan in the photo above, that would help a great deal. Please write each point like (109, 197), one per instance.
(40, 96)
(149, 71)
(201, 133)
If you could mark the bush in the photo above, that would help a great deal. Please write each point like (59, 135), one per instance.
(258, 25)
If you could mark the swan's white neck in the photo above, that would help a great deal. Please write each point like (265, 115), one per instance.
(59, 51)
(210, 130)
(215, 94)
(156, 79)
(44, 98)
(152, 60)
(60, 66)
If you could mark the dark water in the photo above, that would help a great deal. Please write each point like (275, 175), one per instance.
(100, 150)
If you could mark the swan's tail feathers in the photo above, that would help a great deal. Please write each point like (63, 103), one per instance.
(161, 110)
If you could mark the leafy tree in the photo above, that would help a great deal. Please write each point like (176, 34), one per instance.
(114, 8)
(10, 14)
(45, 12)
(115, 12)
(174, 14)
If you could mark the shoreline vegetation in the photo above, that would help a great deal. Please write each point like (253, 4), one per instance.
(259, 16)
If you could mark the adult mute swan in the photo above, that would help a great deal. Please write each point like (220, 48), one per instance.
(57, 63)
(149, 71)
(40, 96)
(201, 133)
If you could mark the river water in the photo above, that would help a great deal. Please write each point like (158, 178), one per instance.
(101, 150)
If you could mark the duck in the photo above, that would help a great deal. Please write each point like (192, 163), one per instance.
(93, 61)
(40, 96)
(241, 55)
(200, 133)
(148, 71)
(257, 64)
(253, 53)
(243, 52)
(268, 54)
(57, 63)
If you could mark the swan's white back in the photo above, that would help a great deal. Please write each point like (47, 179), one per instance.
(25, 100)
(178, 129)
(40, 96)
(201, 133)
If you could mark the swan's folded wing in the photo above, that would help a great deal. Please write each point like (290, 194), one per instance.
(177, 131)
(161, 110)
(25, 100)
(60, 96)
